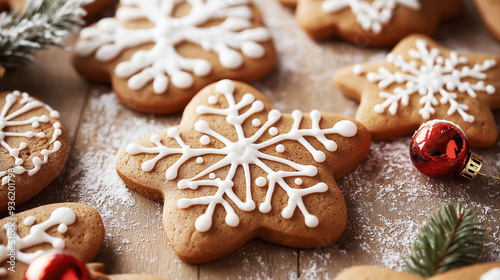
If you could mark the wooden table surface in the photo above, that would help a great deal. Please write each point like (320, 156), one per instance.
(387, 199)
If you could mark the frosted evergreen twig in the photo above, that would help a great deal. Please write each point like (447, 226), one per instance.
(42, 23)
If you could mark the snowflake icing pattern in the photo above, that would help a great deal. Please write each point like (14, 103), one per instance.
(61, 217)
(110, 37)
(7, 121)
(246, 152)
(437, 75)
(371, 15)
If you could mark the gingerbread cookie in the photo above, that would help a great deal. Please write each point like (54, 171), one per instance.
(483, 271)
(289, 3)
(419, 81)
(95, 7)
(74, 227)
(92, 8)
(33, 147)
(236, 168)
(374, 22)
(489, 10)
(157, 62)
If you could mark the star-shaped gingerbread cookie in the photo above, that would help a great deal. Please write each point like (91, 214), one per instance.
(419, 81)
(374, 22)
(236, 168)
(483, 271)
(159, 54)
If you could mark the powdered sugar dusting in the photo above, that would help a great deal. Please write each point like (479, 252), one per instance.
(92, 174)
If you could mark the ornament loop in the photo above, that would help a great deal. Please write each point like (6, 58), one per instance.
(472, 167)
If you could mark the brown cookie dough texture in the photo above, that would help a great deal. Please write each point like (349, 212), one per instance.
(374, 23)
(236, 168)
(471, 272)
(419, 81)
(74, 227)
(33, 147)
(93, 8)
(289, 3)
(490, 11)
(157, 67)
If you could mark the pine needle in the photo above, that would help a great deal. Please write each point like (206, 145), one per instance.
(42, 23)
(451, 238)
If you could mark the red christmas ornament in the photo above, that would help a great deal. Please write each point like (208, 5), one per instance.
(57, 265)
(439, 149)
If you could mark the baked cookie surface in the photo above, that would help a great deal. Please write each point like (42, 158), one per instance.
(159, 54)
(374, 23)
(236, 168)
(489, 11)
(75, 227)
(33, 147)
(93, 8)
(419, 81)
(471, 272)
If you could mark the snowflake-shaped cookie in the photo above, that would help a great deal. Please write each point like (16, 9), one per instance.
(74, 227)
(160, 53)
(236, 167)
(419, 81)
(373, 22)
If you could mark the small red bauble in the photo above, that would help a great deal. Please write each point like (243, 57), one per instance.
(439, 149)
(57, 265)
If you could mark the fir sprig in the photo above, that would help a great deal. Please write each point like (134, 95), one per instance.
(451, 238)
(42, 23)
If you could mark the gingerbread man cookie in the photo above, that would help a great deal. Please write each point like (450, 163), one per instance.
(419, 81)
(374, 22)
(489, 11)
(483, 271)
(236, 168)
(33, 147)
(159, 54)
(75, 227)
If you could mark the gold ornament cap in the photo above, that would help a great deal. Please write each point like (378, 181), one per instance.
(472, 167)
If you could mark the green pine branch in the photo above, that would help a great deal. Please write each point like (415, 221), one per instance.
(42, 23)
(451, 238)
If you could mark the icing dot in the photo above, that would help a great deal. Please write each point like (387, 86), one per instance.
(357, 69)
(212, 99)
(255, 122)
(199, 160)
(273, 131)
(298, 181)
(29, 221)
(280, 148)
(211, 176)
(205, 140)
(62, 228)
(260, 181)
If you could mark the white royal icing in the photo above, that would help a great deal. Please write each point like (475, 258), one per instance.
(246, 151)
(492, 274)
(161, 63)
(10, 119)
(61, 217)
(372, 15)
(436, 75)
